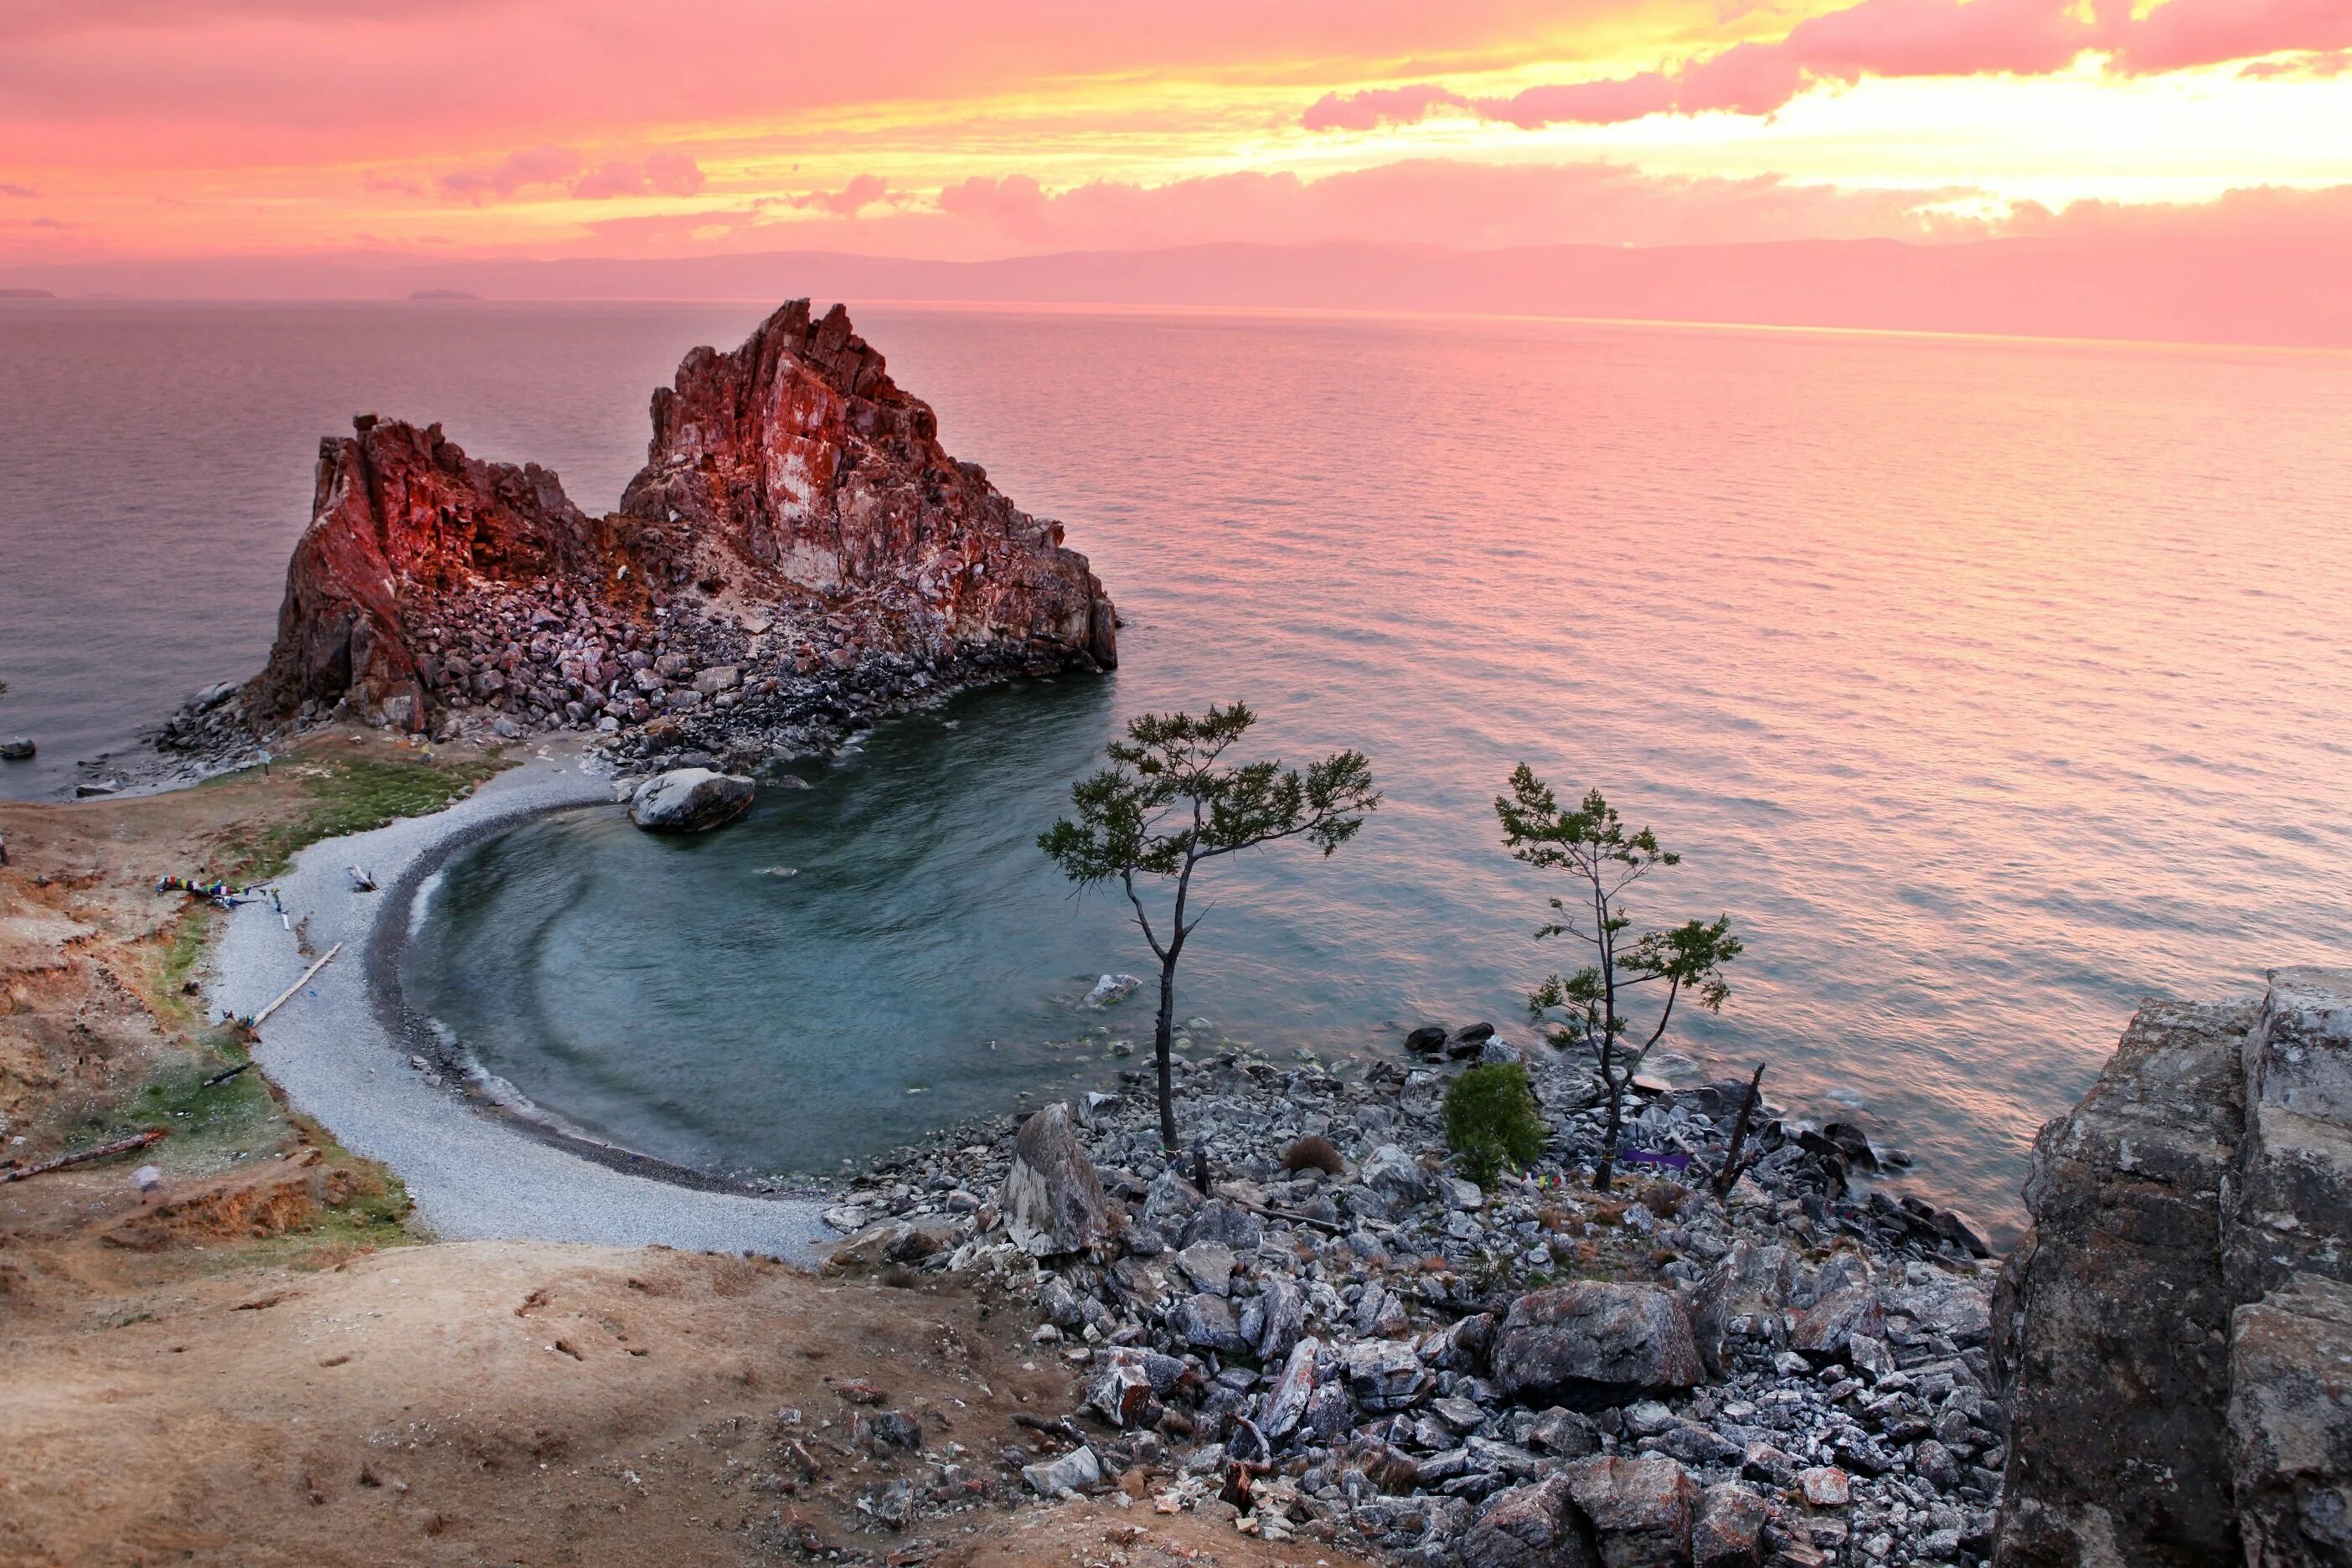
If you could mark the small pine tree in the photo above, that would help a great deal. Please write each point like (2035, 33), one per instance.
(1491, 1121)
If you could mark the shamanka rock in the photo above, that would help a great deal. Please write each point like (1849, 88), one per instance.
(796, 517)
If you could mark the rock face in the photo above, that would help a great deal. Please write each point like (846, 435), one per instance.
(796, 516)
(690, 800)
(1595, 1344)
(401, 517)
(798, 453)
(2173, 1328)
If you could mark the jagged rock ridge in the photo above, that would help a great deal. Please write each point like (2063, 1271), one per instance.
(797, 547)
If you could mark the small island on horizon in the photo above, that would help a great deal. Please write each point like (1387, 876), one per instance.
(441, 294)
(27, 294)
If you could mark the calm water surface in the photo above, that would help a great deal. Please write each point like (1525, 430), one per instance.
(1988, 686)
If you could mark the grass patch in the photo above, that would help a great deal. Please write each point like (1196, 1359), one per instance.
(350, 794)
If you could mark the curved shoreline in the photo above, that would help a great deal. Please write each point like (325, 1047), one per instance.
(340, 1051)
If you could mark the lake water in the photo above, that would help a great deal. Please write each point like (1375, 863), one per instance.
(1988, 685)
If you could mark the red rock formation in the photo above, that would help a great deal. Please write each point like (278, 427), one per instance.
(799, 457)
(787, 481)
(400, 515)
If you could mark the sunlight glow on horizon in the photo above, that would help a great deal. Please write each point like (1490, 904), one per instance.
(959, 145)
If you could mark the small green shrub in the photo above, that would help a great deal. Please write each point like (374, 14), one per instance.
(1491, 1121)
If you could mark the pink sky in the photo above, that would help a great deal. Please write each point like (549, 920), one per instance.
(203, 129)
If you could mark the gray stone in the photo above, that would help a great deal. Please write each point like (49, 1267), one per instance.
(1728, 1530)
(2109, 1325)
(1824, 1329)
(1383, 1374)
(1285, 1404)
(1076, 1469)
(1207, 1322)
(18, 749)
(690, 800)
(1529, 1527)
(1640, 1509)
(1589, 1345)
(1053, 1200)
(2291, 1425)
(1565, 1433)
(1391, 1173)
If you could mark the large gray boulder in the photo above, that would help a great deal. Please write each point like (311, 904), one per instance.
(2173, 1328)
(690, 800)
(2112, 1314)
(1640, 1509)
(1053, 1200)
(2291, 1425)
(1590, 1344)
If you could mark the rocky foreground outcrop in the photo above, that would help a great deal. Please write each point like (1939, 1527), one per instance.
(798, 552)
(2176, 1329)
(1341, 1339)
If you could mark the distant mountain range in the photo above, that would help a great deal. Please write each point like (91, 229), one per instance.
(2288, 293)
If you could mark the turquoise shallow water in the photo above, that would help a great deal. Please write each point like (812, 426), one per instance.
(1987, 685)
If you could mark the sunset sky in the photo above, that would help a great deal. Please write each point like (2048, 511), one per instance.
(966, 129)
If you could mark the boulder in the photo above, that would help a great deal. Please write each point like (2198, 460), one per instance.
(1824, 1328)
(2291, 1425)
(1529, 1527)
(1053, 1200)
(1640, 1509)
(2112, 1311)
(1207, 1322)
(1285, 1404)
(17, 749)
(690, 800)
(1383, 1374)
(1590, 1344)
(1429, 1039)
(1076, 1469)
(1111, 990)
(1391, 1173)
(1728, 1530)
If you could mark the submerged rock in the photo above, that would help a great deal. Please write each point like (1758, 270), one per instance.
(690, 800)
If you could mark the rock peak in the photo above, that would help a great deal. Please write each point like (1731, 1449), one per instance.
(789, 484)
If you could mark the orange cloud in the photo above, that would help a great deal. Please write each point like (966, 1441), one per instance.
(1891, 39)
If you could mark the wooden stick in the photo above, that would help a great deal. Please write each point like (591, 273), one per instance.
(1728, 1177)
(255, 1022)
(119, 1146)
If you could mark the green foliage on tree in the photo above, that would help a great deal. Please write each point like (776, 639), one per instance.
(1170, 803)
(1491, 1121)
(1587, 1009)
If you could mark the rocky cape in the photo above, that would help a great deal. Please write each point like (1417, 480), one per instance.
(798, 552)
